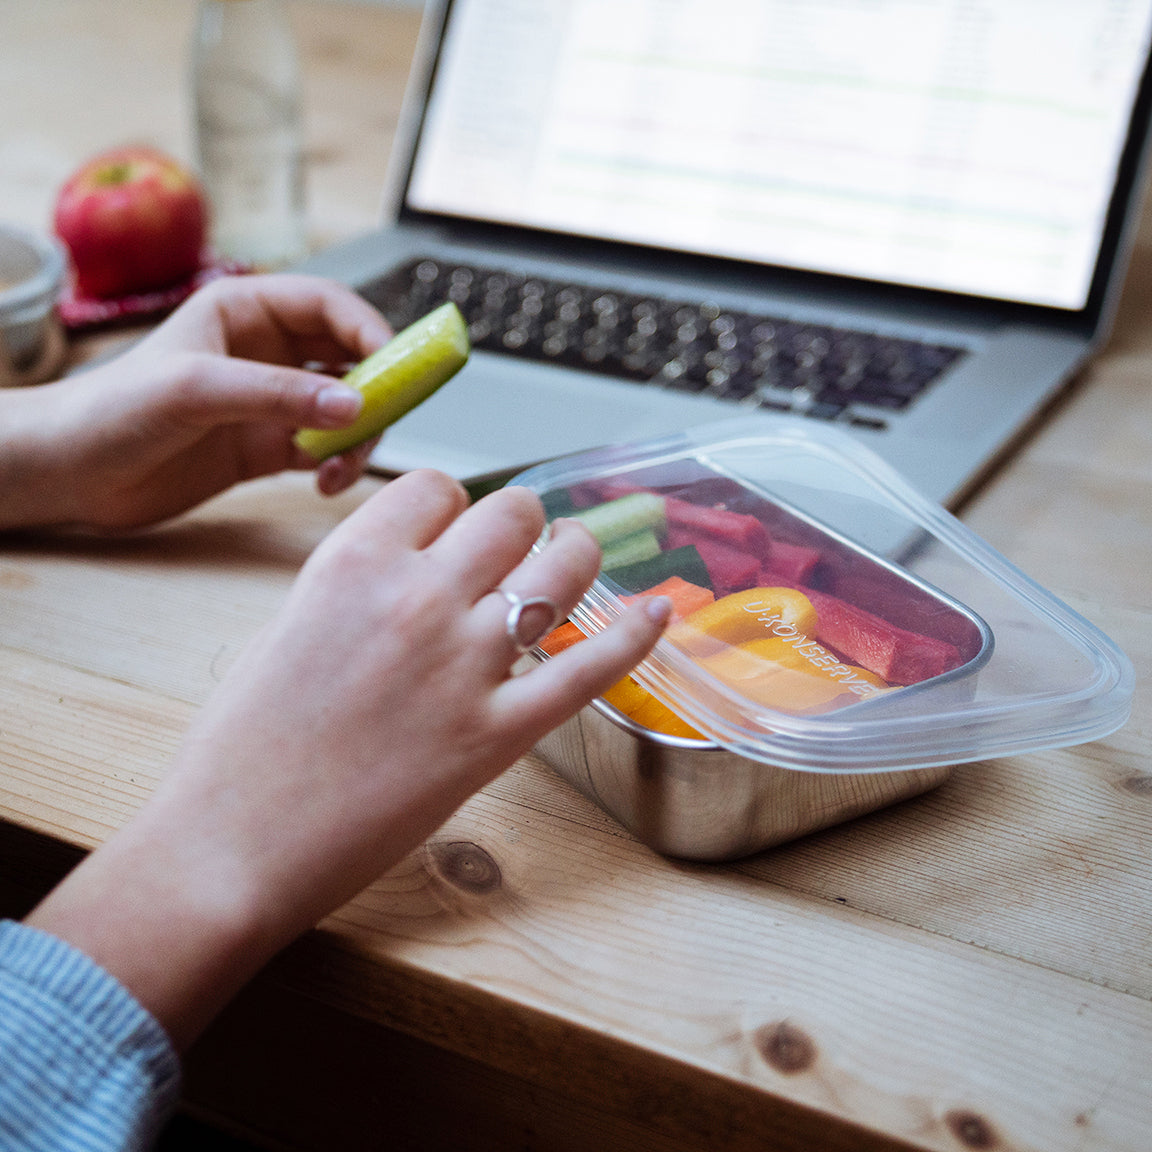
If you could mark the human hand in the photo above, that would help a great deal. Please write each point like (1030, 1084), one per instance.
(211, 397)
(372, 706)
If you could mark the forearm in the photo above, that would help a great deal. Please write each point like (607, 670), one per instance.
(167, 917)
(35, 469)
(186, 903)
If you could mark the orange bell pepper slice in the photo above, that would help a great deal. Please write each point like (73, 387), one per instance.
(658, 717)
(640, 705)
(753, 614)
(626, 695)
(777, 674)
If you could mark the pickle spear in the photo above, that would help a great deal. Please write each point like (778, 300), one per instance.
(395, 378)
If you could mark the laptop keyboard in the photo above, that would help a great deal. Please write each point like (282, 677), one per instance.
(754, 360)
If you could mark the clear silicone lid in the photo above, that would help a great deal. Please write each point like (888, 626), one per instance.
(827, 616)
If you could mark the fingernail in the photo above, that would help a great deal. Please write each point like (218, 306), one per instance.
(659, 609)
(339, 403)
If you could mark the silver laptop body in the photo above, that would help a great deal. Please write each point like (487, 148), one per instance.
(657, 216)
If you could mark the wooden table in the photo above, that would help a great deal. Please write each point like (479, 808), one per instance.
(970, 970)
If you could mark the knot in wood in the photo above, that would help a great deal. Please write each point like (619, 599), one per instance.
(466, 866)
(972, 1130)
(1140, 785)
(786, 1048)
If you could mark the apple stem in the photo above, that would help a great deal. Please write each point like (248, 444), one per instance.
(115, 174)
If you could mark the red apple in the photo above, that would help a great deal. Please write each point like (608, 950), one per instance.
(134, 220)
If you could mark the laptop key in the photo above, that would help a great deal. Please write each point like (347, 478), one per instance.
(767, 361)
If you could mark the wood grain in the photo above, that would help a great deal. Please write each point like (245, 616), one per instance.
(891, 972)
(967, 970)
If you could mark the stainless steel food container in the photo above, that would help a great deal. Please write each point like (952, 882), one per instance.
(695, 800)
(698, 800)
(1026, 673)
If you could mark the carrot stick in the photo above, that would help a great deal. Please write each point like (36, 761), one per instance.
(686, 597)
(560, 638)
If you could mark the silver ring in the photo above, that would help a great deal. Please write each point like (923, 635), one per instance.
(517, 606)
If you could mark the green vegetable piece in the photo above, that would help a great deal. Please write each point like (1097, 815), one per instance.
(557, 502)
(395, 378)
(683, 562)
(642, 545)
(478, 489)
(624, 517)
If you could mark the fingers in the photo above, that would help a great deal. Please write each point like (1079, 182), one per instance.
(211, 390)
(483, 546)
(231, 355)
(338, 473)
(280, 319)
(293, 318)
(573, 549)
(411, 511)
(312, 310)
(539, 593)
(546, 696)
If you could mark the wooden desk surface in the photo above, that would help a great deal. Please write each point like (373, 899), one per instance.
(970, 970)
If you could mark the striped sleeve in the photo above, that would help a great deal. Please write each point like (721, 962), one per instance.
(82, 1065)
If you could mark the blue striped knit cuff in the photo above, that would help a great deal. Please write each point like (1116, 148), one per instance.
(78, 1054)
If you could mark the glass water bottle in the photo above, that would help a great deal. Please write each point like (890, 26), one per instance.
(249, 134)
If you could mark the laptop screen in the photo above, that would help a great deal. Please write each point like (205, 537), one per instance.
(970, 146)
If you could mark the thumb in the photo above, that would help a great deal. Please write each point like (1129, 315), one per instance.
(214, 389)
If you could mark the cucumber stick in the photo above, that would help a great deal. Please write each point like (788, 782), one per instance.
(616, 519)
(647, 573)
(629, 550)
(395, 378)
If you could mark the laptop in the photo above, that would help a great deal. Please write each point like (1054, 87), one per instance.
(908, 219)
